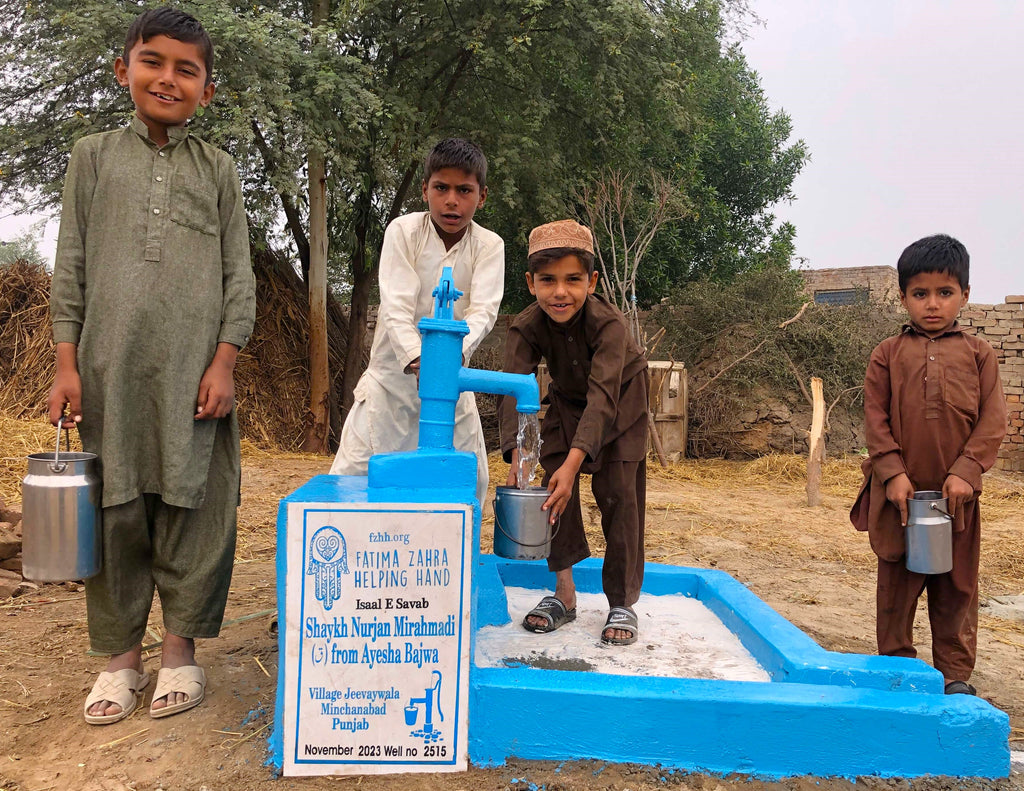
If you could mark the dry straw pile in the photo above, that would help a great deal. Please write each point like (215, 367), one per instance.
(271, 377)
(26, 352)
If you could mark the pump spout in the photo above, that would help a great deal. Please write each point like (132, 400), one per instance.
(522, 387)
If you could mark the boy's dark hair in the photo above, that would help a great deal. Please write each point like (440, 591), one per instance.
(457, 153)
(545, 257)
(938, 253)
(173, 23)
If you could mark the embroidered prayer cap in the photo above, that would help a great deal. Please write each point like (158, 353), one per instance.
(561, 233)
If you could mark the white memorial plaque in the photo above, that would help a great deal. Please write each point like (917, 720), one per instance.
(377, 640)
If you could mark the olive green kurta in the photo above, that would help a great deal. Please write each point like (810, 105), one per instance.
(152, 272)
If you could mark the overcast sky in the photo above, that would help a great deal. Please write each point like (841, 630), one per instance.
(913, 113)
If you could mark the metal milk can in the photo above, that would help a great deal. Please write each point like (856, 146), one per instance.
(62, 536)
(929, 534)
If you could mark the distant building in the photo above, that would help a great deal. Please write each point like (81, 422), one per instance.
(852, 285)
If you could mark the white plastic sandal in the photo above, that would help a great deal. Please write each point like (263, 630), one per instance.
(189, 680)
(122, 688)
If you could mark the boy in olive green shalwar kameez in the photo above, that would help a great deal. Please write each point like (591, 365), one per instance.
(153, 295)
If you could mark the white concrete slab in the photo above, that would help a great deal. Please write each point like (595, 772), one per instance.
(679, 637)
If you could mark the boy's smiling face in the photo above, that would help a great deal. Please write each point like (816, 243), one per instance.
(933, 300)
(453, 195)
(561, 287)
(167, 80)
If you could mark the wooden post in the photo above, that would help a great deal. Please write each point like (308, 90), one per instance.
(817, 443)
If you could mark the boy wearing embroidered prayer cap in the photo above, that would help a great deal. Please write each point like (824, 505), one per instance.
(596, 423)
(152, 297)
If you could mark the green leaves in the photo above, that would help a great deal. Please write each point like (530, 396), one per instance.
(554, 93)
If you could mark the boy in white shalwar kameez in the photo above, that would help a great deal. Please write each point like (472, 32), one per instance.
(385, 415)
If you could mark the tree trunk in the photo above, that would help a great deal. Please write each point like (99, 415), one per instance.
(318, 433)
(316, 440)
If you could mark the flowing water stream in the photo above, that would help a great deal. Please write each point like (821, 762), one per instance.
(528, 444)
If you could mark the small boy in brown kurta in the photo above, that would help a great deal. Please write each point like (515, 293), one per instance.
(596, 422)
(934, 418)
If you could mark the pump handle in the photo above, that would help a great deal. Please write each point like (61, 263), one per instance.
(445, 295)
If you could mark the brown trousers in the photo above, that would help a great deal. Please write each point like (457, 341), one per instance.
(185, 554)
(620, 488)
(952, 607)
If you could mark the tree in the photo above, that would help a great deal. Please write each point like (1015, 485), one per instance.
(318, 435)
(23, 247)
(553, 91)
(741, 162)
(625, 216)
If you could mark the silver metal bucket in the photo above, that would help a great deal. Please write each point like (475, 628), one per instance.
(62, 536)
(929, 534)
(521, 529)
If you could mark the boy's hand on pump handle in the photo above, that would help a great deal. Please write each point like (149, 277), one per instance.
(955, 489)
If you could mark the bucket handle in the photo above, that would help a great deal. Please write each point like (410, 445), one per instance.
(497, 524)
(935, 507)
(57, 465)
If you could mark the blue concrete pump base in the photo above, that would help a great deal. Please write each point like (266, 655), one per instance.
(823, 713)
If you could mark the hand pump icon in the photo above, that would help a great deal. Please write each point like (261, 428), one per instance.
(431, 697)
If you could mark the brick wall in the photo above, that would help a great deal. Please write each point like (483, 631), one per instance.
(881, 282)
(1003, 326)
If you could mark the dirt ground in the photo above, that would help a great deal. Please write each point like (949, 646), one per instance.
(748, 519)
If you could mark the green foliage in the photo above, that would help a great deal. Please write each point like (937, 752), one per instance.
(553, 91)
(712, 327)
(276, 95)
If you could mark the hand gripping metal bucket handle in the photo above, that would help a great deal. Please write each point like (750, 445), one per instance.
(497, 524)
(57, 465)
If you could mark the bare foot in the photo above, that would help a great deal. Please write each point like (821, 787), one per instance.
(612, 635)
(131, 658)
(565, 592)
(616, 634)
(177, 652)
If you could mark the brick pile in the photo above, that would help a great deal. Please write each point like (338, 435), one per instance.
(1003, 326)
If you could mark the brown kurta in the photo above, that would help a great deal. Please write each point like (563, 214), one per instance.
(594, 366)
(597, 401)
(932, 407)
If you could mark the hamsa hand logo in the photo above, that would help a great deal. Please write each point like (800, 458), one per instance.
(328, 560)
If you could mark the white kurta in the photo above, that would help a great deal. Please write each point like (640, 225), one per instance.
(386, 412)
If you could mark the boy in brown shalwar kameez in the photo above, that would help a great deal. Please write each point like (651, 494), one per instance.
(596, 422)
(934, 417)
(152, 297)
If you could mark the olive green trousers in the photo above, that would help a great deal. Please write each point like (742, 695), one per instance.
(184, 554)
